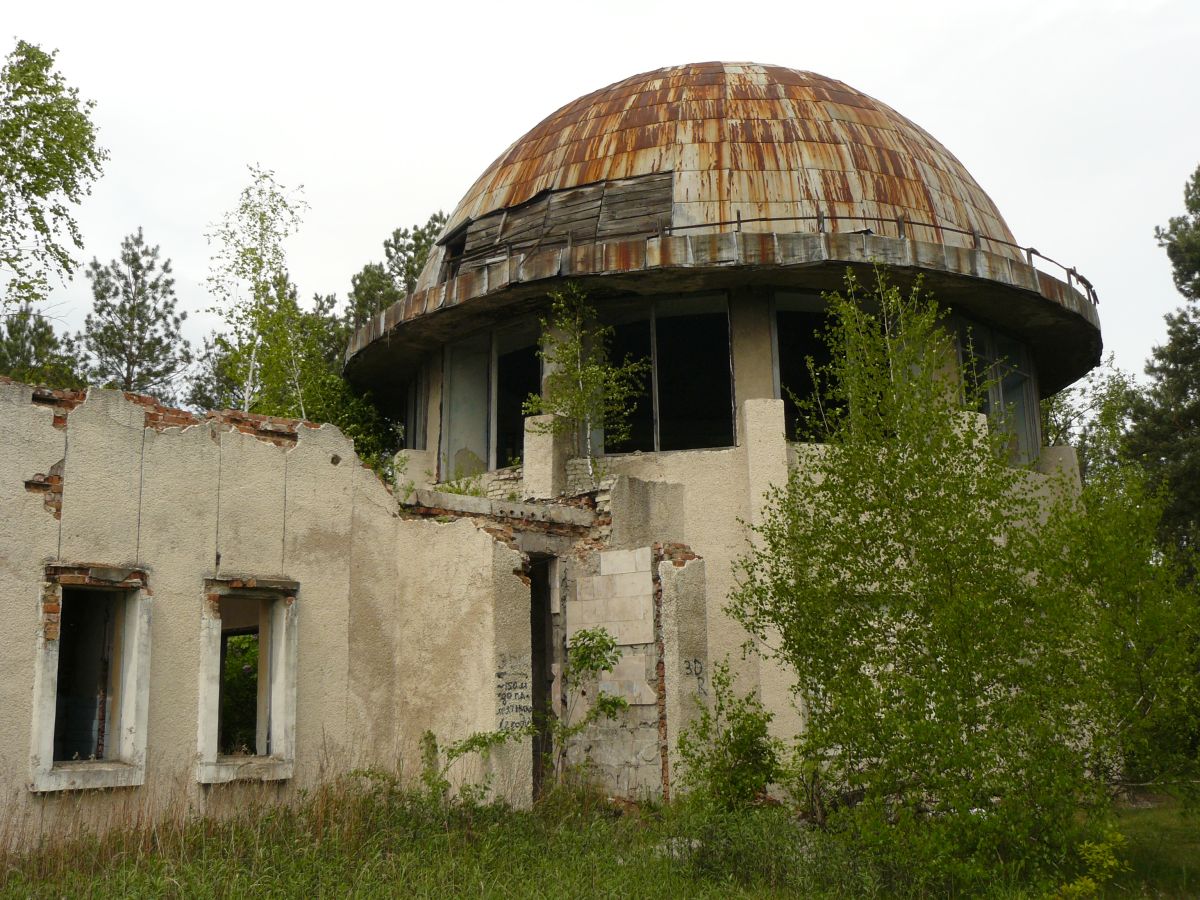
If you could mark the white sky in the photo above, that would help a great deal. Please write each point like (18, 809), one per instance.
(1080, 118)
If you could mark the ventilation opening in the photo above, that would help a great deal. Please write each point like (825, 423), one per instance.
(88, 673)
(242, 722)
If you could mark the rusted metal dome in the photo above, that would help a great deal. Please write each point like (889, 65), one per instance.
(715, 176)
(774, 146)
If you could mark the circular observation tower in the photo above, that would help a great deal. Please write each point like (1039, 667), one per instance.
(704, 208)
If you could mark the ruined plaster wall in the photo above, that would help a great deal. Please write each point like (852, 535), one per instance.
(713, 494)
(686, 669)
(462, 633)
(188, 498)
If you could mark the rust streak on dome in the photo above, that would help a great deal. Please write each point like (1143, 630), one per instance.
(762, 142)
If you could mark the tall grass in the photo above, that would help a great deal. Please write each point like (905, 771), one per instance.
(365, 835)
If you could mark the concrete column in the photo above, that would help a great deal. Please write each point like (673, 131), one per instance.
(544, 462)
(762, 434)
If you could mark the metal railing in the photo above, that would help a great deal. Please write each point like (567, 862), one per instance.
(824, 225)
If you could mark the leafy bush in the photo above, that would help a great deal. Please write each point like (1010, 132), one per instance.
(944, 656)
(728, 753)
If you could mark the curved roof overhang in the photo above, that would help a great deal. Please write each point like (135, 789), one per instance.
(1056, 319)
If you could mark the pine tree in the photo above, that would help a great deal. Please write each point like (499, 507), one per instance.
(1165, 436)
(408, 249)
(31, 352)
(132, 336)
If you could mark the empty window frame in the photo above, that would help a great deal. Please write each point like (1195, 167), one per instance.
(91, 688)
(247, 681)
(687, 403)
(487, 379)
(518, 373)
(799, 347)
(999, 369)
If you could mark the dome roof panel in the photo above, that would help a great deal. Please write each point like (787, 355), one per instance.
(766, 141)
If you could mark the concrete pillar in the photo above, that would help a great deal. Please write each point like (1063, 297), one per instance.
(762, 434)
(544, 462)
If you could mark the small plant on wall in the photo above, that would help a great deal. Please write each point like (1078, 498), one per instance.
(584, 390)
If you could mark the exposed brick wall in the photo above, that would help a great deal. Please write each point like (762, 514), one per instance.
(50, 485)
(274, 429)
(58, 576)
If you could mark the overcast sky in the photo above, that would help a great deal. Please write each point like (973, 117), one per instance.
(1080, 118)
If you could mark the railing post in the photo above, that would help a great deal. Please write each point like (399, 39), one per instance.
(976, 238)
(901, 226)
(820, 221)
(739, 220)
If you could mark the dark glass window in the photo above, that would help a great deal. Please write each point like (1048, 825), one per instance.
(799, 334)
(518, 374)
(631, 341)
(695, 408)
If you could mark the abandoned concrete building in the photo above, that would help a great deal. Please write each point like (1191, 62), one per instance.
(704, 208)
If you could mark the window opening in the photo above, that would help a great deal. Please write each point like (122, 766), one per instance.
(416, 410)
(89, 671)
(91, 685)
(687, 402)
(518, 374)
(799, 336)
(998, 370)
(468, 365)
(242, 720)
(632, 340)
(694, 379)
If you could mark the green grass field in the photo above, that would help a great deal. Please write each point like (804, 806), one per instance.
(368, 841)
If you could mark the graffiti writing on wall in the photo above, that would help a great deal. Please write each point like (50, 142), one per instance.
(695, 668)
(514, 702)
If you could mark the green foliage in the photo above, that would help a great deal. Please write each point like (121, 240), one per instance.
(248, 277)
(1147, 613)
(1181, 239)
(1165, 436)
(728, 752)
(464, 485)
(275, 356)
(590, 653)
(1092, 416)
(239, 695)
(132, 335)
(364, 834)
(48, 161)
(945, 666)
(1101, 863)
(371, 291)
(408, 249)
(31, 352)
(584, 390)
